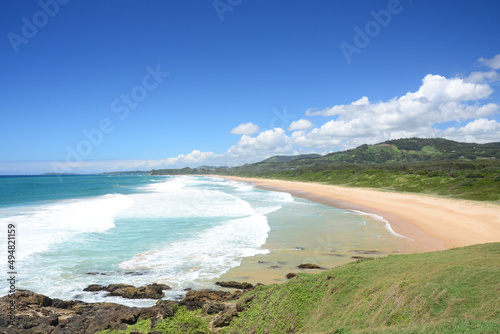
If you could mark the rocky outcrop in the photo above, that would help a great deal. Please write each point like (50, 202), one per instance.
(309, 266)
(235, 285)
(291, 275)
(204, 296)
(150, 291)
(37, 313)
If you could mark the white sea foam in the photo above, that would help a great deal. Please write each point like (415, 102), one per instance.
(39, 227)
(183, 230)
(173, 199)
(380, 218)
(207, 254)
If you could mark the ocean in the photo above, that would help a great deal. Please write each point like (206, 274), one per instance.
(184, 231)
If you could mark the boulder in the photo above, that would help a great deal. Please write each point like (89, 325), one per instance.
(235, 285)
(212, 308)
(36, 313)
(309, 266)
(95, 287)
(204, 296)
(291, 275)
(150, 291)
(225, 317)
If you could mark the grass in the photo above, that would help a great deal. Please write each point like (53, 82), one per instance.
(183, 321)
(452, 291)
(471, 185)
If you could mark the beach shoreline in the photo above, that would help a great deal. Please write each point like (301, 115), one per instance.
(434, 223)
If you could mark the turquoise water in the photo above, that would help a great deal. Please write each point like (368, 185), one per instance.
(184, 231)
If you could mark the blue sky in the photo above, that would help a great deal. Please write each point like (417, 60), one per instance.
(90, 86)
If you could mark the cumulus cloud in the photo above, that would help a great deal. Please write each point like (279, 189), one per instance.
(245, 129)
(267, 143)
(480, 77)
(427, 112)
(192, 158)
(493, 63)
(438, 100)
(300, 125)
(479, 130)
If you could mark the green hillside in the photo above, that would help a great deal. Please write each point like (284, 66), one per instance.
(452, 291)
(417, 149)
(432, 166)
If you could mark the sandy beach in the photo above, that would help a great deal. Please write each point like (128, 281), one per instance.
(433, 223)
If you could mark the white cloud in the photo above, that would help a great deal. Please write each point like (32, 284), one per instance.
(493, 63)
(422, 113)
(266, 144)
(480, 77)
(438, 100)
(192, 158)
(479, 130)
(301, 124)
(245, 129)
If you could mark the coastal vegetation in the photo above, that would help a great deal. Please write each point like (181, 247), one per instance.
(451, 291)
(432, 166)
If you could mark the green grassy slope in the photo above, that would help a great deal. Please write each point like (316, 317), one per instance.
(452, 291)
(460, 180)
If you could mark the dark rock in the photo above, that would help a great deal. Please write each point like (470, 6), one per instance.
(95, 273)
(204, 296)
(212, 308)
(150, 291)
(113, 287)
(191, 305)
(40, 314)
(225, 317)
(235, 285)
(366, 252)
(135, 273)
(221, 320)
(235, 295)
(291, 275)
(274, 267)
(358, 257)
(298, 248)
(309, 266)
(242, 305)
(95, 287)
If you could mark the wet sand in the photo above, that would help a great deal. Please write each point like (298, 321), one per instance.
(430, 223)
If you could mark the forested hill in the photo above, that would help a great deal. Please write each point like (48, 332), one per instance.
(437, 166)
(398, 151)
